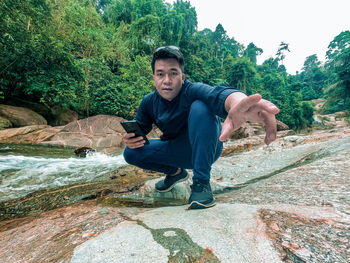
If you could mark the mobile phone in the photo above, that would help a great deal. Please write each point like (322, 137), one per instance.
(133, 127)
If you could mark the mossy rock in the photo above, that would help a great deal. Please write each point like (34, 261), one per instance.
(5, 123)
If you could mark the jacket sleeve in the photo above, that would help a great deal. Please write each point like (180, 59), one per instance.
(143, 115)
(213, 97)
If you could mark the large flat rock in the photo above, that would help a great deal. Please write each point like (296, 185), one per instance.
(289, 202)
(224, 233)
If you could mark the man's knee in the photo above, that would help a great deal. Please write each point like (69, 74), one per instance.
(200, 113)
(131, 156)
(198, 107)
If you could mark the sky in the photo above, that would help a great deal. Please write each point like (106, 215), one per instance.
(308, 26)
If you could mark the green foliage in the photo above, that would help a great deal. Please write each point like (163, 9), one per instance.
(284, 47)
(93, 56)
(338, 94)
(337, 46)
(252, 52)
(119, 11)
(307, 112)
(242, 75)
(313, 78)
(136, 82)
(25, 29)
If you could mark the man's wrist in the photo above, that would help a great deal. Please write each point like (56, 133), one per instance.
(233, 99)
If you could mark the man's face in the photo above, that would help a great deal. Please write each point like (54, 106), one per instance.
(168, 78)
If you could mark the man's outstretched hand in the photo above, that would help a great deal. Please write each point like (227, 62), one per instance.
(252, 108)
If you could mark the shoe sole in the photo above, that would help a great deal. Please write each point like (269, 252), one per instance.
(172, 186)
(197, 205)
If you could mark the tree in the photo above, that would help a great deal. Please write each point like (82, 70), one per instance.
(93, 56)
(284, 47)
(252, 52)
(311, 62)
(337, 46)
(313, 77)
(34, 64)
(189, 22)
(338, 94)
(119, 11)
(338, 64)
(243, 75)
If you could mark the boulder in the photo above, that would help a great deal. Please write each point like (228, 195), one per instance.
(29, 134)
(83, 151)
(4, 123)
(248, 130)
(253, 129)
(20, 117)
(282, 126)
(37, 107)
(60, 116)
(101, 132)
(242, 132)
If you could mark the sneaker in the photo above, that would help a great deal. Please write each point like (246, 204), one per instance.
(201, 195)
(171, 180)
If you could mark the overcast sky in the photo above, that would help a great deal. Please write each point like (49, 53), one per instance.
(308, 26)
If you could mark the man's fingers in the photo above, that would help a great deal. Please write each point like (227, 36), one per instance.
(135, 139)
(227, 129)
(270, 126)
(128, 135)
(136, 142)
(248, 102)
(269, 107)
(136, 145)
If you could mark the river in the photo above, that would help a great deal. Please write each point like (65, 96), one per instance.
(25, 168)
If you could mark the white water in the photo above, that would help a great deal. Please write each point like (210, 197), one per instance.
(21, 175)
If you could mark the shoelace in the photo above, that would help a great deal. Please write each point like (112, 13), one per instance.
(198, 187)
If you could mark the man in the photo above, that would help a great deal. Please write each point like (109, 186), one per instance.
(188, 115)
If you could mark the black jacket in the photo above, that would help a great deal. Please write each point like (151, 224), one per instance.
(171, 116)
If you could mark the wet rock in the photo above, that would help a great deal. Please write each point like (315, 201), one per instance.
(20, 116)
(52, 236)
(49, 199)
(83, 151)
(147, 196)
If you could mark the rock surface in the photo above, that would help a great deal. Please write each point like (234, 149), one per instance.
(286, 202)
(5, 123)
(20, 116)
(101, 132)
(59, 116)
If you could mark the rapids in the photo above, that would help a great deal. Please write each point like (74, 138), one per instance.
(25, 169)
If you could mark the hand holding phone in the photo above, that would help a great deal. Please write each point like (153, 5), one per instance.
(133, 127)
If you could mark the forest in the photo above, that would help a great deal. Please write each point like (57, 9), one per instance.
(93, 57)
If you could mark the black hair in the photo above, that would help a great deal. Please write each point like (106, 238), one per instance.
(168, 52)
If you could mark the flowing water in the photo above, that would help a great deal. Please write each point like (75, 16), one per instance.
(25, 168)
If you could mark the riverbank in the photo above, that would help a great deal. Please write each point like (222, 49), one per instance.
(287, 202)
